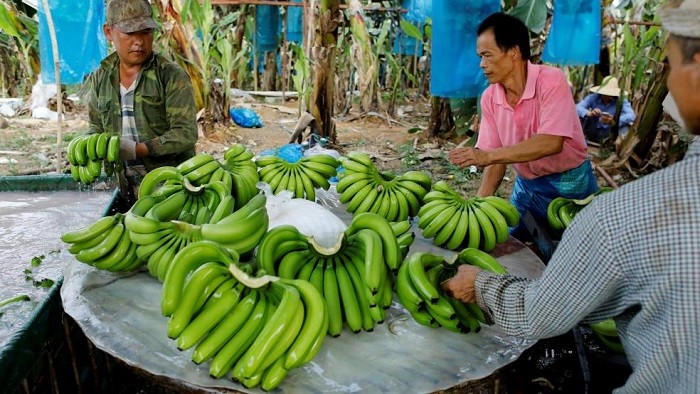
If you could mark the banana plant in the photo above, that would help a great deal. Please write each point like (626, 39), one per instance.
(18, 31)
(366, 64)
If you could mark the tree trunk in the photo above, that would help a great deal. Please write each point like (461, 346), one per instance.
(327, 14)
(638, 142)
(270, 73)
(441, 121)
(238, 77)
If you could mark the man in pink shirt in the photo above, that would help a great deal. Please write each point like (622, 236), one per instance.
(529, 120)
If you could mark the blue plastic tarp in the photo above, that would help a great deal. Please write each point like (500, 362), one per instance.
(81, 42)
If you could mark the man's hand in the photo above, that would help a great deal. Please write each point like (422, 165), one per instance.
(606, 118)
(594, 112)
(463, 157)
(461, 286)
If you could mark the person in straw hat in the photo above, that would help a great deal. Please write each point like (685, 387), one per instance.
(141, 96)
(597, 111)
(631, 255)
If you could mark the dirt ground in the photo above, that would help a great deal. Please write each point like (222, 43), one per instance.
(27, 145)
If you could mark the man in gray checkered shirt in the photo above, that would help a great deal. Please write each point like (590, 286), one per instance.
(632, 255)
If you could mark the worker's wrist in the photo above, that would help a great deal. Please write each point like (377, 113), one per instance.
(141, 150)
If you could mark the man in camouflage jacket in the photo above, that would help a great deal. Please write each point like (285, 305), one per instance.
(141, 96)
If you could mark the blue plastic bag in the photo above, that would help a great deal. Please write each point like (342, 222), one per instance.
(455, 71)
(577, 19)
(245, 117)
(291, 152)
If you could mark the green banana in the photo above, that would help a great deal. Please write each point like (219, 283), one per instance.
(208, 318)
(216, 338)
(113, 148)
(499, 223)
(332, 297)
(509, 212)
(488, 232)
(150, 182)
(239, 343)
(198, 285)
(480, 259)
(195, 162)
(348, 298)
(417, 264)
(91, 231)
(390, 247)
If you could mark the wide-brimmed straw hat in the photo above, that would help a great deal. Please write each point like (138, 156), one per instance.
(682, 18)
(609, 87)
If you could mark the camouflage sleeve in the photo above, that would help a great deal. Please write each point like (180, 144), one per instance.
(180, 115)
(94, 121)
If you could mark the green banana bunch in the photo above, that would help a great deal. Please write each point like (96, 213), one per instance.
(338, 272)
(453, 221)
(199, 169)
(89, 153)
(301, 178)
(561, 210)
(169, 215)
(418, 290)
(105, 244)
(239, 173)
(364, 189)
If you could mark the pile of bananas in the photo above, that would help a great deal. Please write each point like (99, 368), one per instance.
(301, 178)
(88, 153)
(453, 221)
(364, 189)
(105, 244)
(354, 275)
(561, 210)
(243, 171)
(418, 290)
(254, 329)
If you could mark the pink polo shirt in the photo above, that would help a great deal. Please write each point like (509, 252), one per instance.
(546, 107)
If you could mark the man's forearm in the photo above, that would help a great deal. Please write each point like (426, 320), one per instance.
(537, 147)
(493, 176)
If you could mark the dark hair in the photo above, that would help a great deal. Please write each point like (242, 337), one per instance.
(689, 47)
(509, 32)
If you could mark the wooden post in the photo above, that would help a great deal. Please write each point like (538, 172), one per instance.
(59, 94)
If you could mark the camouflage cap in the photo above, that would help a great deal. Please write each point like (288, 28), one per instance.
(130, 15)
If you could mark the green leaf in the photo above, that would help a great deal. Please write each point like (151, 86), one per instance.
(411, 30)
(413, 130)
(36, 260)
(44, 283)
(533, 13)
(8, 23)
